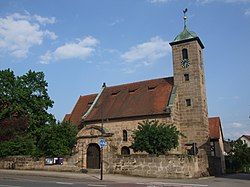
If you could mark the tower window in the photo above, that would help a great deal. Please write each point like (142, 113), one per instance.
(201, 61)
(184, 54)
(188, 102)
(125, 135)
(186, 77)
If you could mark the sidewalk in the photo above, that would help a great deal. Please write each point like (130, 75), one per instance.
(91, 177)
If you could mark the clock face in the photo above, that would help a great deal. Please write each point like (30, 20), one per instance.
(185, 63)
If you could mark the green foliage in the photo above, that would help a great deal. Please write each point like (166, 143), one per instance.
(10, 128)
(56, 140)
(19, 146)
(239, 156)
(26, 128)
(155, 137)
(25, 96)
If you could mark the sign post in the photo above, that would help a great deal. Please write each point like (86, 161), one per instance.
(102, 143)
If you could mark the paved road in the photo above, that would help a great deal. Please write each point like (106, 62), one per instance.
(53, 179)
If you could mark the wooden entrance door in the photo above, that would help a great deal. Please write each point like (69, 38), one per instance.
(93, 156)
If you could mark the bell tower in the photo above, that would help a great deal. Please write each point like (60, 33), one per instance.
(189, 79)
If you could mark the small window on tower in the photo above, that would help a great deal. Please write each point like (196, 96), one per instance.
(188, 102)
(201, 60)
(186, 77)
(184, 54)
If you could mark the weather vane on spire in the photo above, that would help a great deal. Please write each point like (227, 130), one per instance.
(185, 17)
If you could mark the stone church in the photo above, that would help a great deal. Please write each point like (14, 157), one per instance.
(114, 112)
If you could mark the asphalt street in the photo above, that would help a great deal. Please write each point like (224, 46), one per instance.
(54, 179)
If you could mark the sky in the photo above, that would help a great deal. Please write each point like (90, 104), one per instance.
(79, 44)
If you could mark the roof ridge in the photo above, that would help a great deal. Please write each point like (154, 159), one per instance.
(88, 95)
(125, 84)
(213, 117)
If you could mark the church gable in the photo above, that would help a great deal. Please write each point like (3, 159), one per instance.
(81, 107)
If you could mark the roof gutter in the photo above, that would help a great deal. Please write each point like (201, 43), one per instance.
(95, 101)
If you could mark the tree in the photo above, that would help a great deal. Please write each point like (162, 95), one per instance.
(26, 128)
(240, 155)
(56, 140)
(10, 128)
(155, 137)
(24, 97)
(21, 145)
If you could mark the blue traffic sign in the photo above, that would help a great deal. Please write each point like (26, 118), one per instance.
(102, 142)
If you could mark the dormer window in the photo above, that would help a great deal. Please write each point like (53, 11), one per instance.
(132, 90)
(115, 93)
(90, 103)
(151, 88)
(184, 54)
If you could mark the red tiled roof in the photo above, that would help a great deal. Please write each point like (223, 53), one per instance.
(128, 100)
(82, 105)
(135, 99)
(215, 128)
(67, 117)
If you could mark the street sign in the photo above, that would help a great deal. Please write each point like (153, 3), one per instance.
(102, 142)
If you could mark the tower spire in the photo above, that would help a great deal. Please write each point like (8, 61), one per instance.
(185, 17)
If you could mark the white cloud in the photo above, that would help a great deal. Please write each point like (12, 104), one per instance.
(50, 34)
(115, 22)
(44, 20)
(236, 97)
(157, 1)
(18, 33)
(46, 58)
(247, 12)
(147, 52)
(81, 49)
(234, 130)
(223, 1)
(19, 16)
(236, 125)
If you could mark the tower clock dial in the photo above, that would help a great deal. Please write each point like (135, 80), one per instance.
(185, 63)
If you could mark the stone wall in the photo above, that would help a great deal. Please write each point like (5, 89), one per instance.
(29, 163)
(114, 142)
(164, 166)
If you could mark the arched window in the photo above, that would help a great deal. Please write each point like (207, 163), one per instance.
(125, 135)
(125, 150)
(184, 54)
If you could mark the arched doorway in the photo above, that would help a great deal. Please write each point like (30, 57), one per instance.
(93, 156)
(125, 150)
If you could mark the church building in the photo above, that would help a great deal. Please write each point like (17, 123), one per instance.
(114, 112)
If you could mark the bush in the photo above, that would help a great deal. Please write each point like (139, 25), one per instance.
(238, 159)
(19, 146)
(155, 138)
